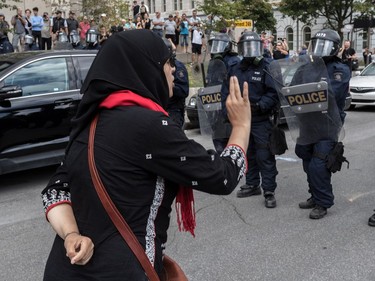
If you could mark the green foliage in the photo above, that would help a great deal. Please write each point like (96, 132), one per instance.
(365, 8)
(257, 10)
(336, 12)
(260, 12)
(115, 10)
(4, 4)
(219, 8)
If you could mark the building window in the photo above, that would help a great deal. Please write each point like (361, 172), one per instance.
(306, 36)
(181, 5)
(192, 4)
(364, 39)
(175, 5)
(164, 5)
(289, 37)
(149, 6)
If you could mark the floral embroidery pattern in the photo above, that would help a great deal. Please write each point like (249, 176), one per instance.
(150, 228)
(53, 196)
(238, 158)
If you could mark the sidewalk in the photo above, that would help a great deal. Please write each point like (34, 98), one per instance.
(186, 57)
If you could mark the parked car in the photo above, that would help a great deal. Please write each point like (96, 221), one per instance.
(362, 87)
(192, 110)
(39, 94)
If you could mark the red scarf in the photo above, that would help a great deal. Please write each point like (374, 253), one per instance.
(185, 199)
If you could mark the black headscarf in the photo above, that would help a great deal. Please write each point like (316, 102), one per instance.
(130, 60)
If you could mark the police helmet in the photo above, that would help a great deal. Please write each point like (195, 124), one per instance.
(219, 43)
(325, 42)
(74, 37)
(62, 37)
(91, 36)
(250, 45)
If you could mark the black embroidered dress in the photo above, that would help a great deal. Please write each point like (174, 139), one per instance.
(142, 158)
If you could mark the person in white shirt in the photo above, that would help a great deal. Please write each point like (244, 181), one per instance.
(194, 21)
(196, 49)
(158, 23)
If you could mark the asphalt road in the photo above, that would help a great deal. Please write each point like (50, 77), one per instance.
(236, 239)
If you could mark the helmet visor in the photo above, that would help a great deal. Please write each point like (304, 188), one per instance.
(217, 46)
(91, 36)
(322, 48)
(249, 49)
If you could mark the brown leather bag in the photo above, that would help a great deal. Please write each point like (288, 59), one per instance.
(172, 271)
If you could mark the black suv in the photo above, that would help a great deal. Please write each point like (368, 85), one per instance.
(39, 95)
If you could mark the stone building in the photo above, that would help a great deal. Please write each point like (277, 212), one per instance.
(298, 33)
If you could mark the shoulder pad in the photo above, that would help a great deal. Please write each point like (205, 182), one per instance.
(341, 66)
(267, 60)
(179, 63)
(233, 61)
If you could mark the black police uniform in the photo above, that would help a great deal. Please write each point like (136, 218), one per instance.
(313, 155)
(263, 98)
(224, 128)
(176, 104)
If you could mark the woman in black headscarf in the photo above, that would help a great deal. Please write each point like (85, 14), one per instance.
(143, 158)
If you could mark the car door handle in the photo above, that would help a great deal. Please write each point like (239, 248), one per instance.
(63, 101)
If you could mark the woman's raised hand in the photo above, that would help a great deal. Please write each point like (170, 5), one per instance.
(238, 106)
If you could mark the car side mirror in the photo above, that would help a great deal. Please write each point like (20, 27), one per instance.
(356, 73)
(10, 91)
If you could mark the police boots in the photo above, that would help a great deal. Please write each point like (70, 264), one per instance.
(371, 220)
(308, 204)
(248, 190)
(318, 212)
(269, 199)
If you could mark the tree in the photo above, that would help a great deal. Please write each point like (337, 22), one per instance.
(4, 4)
(115, 10)
(257, 10)
(336, 12)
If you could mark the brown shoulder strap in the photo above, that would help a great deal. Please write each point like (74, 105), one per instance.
(113, 212)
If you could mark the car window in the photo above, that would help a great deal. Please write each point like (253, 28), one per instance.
(369, 71)
(44, 76)
(84, 64)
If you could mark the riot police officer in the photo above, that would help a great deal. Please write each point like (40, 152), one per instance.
(221, 47)
(176, 104)
(325, 44)
(264, 99)
(222, 55)
(92, 39)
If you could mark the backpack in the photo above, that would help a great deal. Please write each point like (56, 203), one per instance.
(182, 24)
(143, 9)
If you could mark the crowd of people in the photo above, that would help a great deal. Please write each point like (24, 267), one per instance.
(32, 31)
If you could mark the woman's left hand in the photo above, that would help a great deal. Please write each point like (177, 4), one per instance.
(78, 248)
